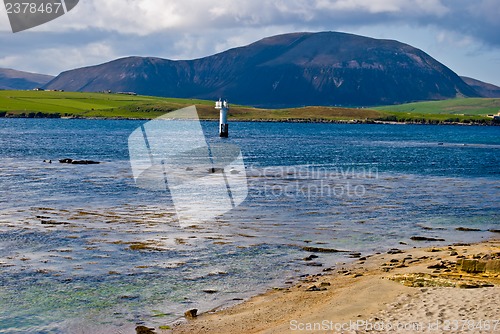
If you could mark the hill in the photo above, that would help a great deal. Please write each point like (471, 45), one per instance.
(483, 88)
(327, 68)
(12, 79)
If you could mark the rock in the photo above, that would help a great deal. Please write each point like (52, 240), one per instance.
(144, 330)
(467, 229)
(191, 314)
(453, 253)
(478, 266)
(311, 257)
(314, 264)
(321, 250)
(438, 266)
(315, 288)
(210, 291)
(395, 251)
(494, 231)
(85, 162)
(78, 162)
(426, 239)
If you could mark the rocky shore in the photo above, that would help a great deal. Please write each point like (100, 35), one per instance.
(455, 288)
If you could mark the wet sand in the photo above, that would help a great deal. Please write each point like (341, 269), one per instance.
(418, 290)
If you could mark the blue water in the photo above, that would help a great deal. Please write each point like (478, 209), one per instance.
(362, 188)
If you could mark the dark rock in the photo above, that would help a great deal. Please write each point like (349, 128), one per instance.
(210, 291)
(494, 231)
(395, 251)
(191, 314)
(467, 229)
(438, 266)
(78, 162)
(85, 162)
(144, 330)
(315, 288)
(311, 257)
(314, 264)
(426, 239)
(322, 250)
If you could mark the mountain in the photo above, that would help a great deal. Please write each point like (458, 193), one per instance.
(326, 68)
(12, 79)
(483, 88)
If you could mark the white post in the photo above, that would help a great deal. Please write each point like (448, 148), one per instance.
(223, 106)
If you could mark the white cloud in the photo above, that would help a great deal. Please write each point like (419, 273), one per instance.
(196, 28)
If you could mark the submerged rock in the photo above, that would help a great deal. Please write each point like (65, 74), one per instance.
(322, 250)
(426, 239)
(467, 229)
(78, 162)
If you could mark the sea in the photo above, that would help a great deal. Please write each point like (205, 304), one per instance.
(84, 249)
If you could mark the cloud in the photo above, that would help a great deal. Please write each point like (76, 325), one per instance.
(144, 17)
(195, 28)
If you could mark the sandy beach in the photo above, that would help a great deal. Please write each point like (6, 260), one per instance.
(452, 289)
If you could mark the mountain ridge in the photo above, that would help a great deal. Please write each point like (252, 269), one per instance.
(325, 68)
(14, 79)
(483, 88)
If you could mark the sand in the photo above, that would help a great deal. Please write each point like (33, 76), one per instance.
(385, 293)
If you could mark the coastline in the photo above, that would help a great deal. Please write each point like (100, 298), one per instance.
(290, 120)
(426, 287)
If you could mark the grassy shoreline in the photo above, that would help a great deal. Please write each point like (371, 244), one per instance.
(48, 104)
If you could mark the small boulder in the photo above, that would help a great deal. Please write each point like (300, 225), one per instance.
(191, 314)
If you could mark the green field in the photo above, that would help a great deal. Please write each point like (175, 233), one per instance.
(466, 107)
(34, 104)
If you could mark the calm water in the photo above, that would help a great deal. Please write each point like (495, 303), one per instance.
(65, 231)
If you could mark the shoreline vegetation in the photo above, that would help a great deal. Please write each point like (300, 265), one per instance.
(446, 287)
(70, 105)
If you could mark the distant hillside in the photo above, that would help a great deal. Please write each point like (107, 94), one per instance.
(483, 88)
(327, 68)
(12, 79)
(482, 106)
(51, 104)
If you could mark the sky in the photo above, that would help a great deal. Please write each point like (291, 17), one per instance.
(462, 34)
